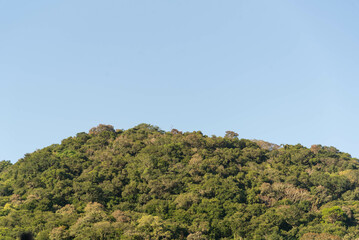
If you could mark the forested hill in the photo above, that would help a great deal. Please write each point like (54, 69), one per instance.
(145, 183)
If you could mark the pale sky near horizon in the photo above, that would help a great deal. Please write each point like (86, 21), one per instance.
(282, 71)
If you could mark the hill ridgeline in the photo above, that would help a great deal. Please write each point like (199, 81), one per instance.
(145, 183)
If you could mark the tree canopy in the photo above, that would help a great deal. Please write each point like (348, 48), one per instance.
(146, 183)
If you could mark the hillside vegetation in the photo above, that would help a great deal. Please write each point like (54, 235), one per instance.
(145, 183)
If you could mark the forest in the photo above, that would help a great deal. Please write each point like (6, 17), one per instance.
(146, 183)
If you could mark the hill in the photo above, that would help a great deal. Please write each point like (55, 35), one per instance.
(145, 183)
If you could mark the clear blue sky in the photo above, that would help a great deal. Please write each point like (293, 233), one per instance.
(281, 71)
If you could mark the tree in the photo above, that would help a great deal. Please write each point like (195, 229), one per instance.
(333, 215)
(153, 227)
(231, 134)
(101, 128)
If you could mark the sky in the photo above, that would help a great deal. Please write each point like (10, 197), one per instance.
(281, 71)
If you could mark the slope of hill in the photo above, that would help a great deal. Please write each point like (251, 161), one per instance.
(144, 183)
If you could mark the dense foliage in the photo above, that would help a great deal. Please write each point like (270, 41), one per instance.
(144, 183)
